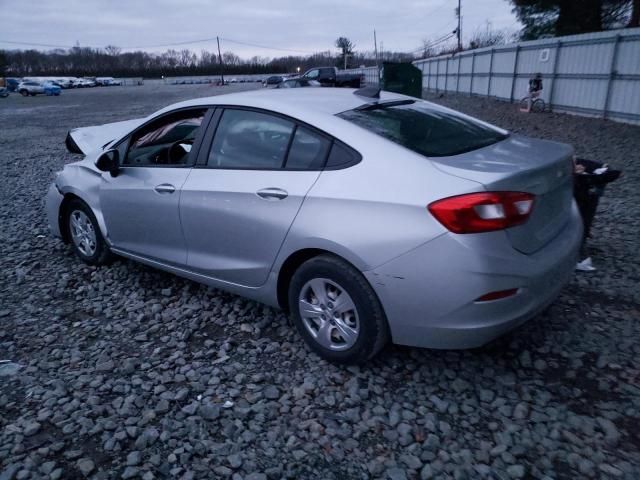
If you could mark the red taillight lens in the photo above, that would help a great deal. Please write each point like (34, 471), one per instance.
(483, 212)
(489, 297)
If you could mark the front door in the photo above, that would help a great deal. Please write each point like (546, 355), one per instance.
(236, 208)
(141, 204)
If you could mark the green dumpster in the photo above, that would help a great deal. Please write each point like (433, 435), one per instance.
(402, 78)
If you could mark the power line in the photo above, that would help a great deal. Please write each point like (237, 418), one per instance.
(35, 44)
(434, 42)
(268, 48)
(166, 45)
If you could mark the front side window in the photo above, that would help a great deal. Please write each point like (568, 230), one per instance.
(253, 140)
(166, 141)
(424, 129)
(313, 74)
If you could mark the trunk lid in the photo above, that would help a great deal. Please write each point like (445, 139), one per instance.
(522, 164)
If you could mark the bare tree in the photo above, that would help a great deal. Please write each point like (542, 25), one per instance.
(488, 37)
(346, 47)
(230, 58)
(112, 50)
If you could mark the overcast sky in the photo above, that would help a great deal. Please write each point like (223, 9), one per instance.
(302, 26)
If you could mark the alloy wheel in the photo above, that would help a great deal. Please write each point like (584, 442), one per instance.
(83, 233)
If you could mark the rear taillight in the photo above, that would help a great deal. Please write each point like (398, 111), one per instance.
(483, 212)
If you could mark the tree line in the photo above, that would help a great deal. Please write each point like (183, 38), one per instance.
(112, 61)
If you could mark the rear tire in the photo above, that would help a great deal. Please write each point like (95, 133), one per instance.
(24, 93)
(85, 235)
(336, 311)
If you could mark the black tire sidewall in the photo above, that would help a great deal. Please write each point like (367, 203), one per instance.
(102, 252)
(372, 322)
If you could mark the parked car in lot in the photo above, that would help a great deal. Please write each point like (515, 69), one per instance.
(12, 84)
(368, 216)
(4, 92)
(272, 81)
(331, 77)
(34, 88)
(297, 83)
(84, 83)
(106, 82)
(62, 82)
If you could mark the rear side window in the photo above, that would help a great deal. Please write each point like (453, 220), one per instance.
(246, 139)
(423, 129)
(308, 151)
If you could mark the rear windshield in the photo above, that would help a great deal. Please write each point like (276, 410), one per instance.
(424, 130)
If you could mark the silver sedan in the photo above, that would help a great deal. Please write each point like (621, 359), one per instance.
(370, 217)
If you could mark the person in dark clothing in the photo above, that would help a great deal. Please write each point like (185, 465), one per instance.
(535, 85)
(590, 179)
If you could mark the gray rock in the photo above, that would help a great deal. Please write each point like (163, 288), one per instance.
(256, 476)
(147, 438)
(130, 472)
(427, 473)
(9, 369)
(209, 411)
(31, 429)
(235, 460)
(487, 395)
(411, 461)
(86, 466)
(396, 474)
(516, 471)
(106, 366)
(134, 458)
(271, 392)
(611, 433)
(9, 472)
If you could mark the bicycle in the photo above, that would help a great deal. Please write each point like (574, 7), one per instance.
(532, 103)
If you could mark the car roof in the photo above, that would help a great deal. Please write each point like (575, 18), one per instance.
(304, 104)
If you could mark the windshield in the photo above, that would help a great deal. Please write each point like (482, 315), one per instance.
(424, 129)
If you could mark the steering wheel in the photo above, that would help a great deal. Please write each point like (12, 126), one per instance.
(178, 151)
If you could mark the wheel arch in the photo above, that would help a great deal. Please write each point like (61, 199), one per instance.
(293, 262)
(63, 217)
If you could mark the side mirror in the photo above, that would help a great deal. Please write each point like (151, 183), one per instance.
(108, 162)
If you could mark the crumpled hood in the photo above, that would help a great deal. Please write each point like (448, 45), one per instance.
(89, 139)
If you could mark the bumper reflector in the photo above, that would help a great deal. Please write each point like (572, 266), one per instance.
(497, 295)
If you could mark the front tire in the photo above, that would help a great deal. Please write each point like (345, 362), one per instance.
(538, 106)
(24, 93)
(336, 311)
(85, 235)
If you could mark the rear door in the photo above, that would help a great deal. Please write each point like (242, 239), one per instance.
(240, 200)
(140, 205)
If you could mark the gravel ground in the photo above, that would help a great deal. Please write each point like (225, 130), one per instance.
(128, 372)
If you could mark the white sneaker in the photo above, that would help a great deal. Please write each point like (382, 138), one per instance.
(586, 265)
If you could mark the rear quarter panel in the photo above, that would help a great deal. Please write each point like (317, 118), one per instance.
(376, 210)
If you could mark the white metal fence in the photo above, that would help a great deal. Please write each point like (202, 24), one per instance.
(371, 76)
(596, 74)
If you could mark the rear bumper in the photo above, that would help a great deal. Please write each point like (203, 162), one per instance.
(429, 293)
(52, 203)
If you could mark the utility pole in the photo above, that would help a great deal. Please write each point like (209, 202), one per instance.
(375, 47)
(459, 29)
(220, 59)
